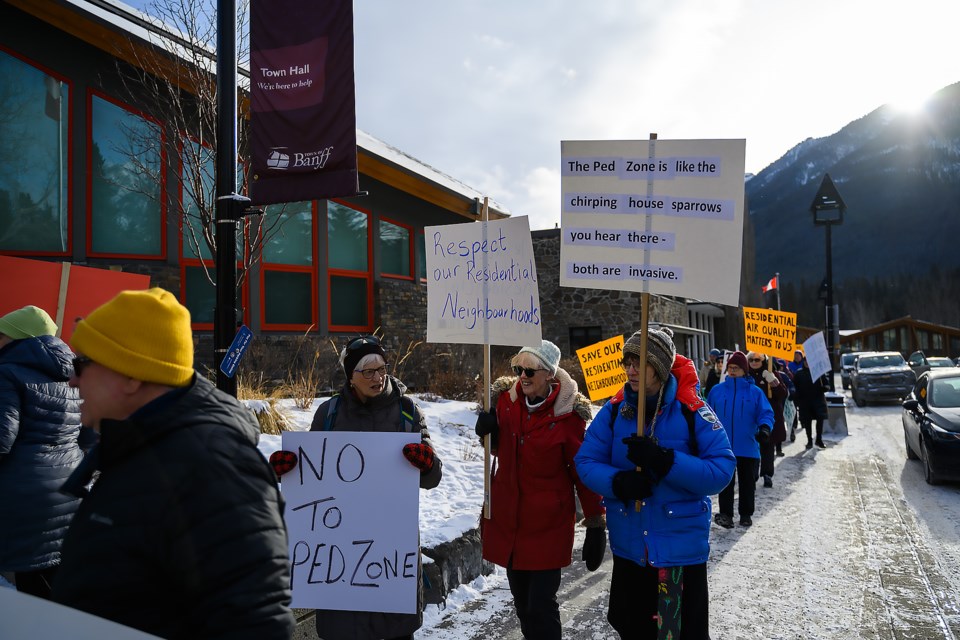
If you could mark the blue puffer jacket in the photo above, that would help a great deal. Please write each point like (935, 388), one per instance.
(672, 527)
(742, 408)
(39, 426)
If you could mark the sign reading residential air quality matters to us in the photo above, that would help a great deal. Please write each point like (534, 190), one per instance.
(771, 332)
(482, 284)
(657, 216)
(352, 521)
(602, 369)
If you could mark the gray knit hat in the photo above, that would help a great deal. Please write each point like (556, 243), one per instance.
(661, 351)
(547, 353)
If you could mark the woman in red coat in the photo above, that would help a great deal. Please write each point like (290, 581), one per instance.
(537, 428)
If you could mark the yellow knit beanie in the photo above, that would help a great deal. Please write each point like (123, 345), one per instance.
(142, 334)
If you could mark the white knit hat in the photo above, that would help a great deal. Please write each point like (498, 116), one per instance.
(547, 353)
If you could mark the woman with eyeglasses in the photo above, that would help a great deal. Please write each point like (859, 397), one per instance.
(657, 488)
(374, 400)
(536, 428)
(773, 384)
(39, 447)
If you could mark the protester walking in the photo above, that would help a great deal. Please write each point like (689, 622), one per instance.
(774, 387)
(713, 375)
(811, 403)
(39, 447)
(747, 418)
(656, 489)
(536, 425)
(710, 364)
(181, 534)
(372, 400)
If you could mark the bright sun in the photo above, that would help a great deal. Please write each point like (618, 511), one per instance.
(910, 102)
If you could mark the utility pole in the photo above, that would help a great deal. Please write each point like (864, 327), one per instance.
(828, 209)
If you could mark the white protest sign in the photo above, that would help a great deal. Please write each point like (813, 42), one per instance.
(482, 284)
(656, 216)
(818, 358)
(352, 520)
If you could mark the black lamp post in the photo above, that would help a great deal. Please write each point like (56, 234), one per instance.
(828, 209)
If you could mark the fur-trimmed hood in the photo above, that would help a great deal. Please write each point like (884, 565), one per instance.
(567, 400)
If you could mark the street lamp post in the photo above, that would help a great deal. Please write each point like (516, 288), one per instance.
(828, 209)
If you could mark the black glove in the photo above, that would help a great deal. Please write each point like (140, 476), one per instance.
(647, 454)
(763, 435)
(632, 485)
(594, 546)
(487, 425)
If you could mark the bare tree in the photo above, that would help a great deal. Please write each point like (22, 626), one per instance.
(176, 76)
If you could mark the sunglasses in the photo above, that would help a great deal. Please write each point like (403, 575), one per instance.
(524, 370)
(369, 373)
(755, 360)
(359, 342)
(79, 364)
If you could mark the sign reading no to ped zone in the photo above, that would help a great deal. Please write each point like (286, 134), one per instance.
(657, 216)
(773, 333)
(602, 369)
(482, 284)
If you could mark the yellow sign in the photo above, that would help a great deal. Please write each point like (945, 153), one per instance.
(771, 332)
(601, 367)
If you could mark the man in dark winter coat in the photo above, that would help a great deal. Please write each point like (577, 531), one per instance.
(182, 534)
(39, 447)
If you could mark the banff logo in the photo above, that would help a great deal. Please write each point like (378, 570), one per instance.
(277, 159)
(281, 161)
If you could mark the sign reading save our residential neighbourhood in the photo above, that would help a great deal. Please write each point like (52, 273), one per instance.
(601, 366)
(482, 283)
(657, 216)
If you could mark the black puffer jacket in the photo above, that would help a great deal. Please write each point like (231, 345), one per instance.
(39, 426)
(182, 534)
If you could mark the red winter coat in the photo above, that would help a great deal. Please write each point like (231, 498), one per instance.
(532, 506)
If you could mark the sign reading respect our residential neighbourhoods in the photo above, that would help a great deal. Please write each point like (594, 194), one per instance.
(771, 332)
(601, 366)
(482, 284)
(657, 216)
(352, 521)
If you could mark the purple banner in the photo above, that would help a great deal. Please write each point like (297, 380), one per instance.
(303, 123)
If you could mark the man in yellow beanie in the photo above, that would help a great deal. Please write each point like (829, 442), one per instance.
(182, 533)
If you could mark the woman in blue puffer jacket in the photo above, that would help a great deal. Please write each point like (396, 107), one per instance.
(39, 448)
(660, 549)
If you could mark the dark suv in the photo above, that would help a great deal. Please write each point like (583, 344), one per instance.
(846, 366)
(881, 375)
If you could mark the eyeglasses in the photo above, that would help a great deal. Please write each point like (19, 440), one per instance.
(755, 360)
(369, 373)
(524, 370)
(79, 364)
(627, 363)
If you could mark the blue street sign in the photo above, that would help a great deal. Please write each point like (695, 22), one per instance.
(237, 348)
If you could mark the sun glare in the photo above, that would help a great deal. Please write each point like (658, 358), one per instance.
(910, 102)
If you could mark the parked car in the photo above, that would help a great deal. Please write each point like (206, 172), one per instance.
(931, 424)
(880, 375)
(846, 366)
(920, 363)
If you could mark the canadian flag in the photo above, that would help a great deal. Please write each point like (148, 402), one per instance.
(770, 286)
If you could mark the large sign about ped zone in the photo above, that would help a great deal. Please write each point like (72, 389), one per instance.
(482, 284)
(771, 332)
(649, 215)
(352, 520)
(602, 369)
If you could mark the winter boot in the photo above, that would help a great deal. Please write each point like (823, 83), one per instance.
(819, 444)
(724, 520)
(745, 521)
(780, 453)
(767, 482)
(809, 444)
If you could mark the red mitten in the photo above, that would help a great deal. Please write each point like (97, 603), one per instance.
(283, 462)
(419, 455)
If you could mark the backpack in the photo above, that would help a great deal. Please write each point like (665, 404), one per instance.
(684, 409)
(407, 412)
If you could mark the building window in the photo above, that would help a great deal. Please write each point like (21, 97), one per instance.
(126, 187)
(937, 342)
(396, 256)
(348, 269)
(581, 337)
(923, 339)
(288, 275)
(34, 159)
(422, 257)
(890, 340)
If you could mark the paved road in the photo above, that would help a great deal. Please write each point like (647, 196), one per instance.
(850, 543)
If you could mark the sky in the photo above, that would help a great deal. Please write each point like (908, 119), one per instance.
(485, 91)
(843, 530)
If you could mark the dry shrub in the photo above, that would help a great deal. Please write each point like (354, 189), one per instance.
(253, 391)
